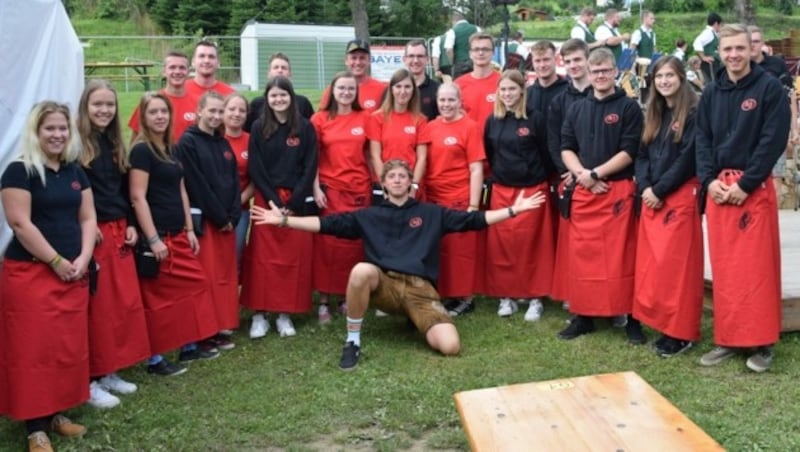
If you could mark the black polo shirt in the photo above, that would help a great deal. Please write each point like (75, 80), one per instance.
(54, 206)
(163, 188)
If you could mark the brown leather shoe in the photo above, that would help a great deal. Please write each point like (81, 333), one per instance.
(64, 427)
(39, 442)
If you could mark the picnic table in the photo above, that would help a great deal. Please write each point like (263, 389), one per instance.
(140, 67)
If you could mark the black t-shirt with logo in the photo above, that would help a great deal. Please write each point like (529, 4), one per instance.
(54, 206)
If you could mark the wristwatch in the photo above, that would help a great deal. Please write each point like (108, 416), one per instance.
(594, 175)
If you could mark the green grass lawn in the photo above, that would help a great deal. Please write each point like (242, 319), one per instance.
(288, 393)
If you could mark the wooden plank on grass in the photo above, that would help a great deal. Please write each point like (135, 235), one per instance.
(608, 412)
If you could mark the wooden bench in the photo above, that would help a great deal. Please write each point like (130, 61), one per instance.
(139, 69)
(610, 412)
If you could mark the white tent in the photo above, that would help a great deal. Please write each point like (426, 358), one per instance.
(41, 59)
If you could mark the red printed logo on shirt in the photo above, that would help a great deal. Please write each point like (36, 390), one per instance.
(490, 98)
(611, 119)
(189, 116)
(228, 155)
(369, 103)
(415, 222)
(410, 130)
(357, 131)
(75, 185)
(749, 104)
(523, 132)
(292, 142)
(450, 141)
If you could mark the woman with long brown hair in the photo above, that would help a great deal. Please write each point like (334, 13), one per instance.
(668, 293)
(282, 165)
(178, 304)
(117, 326)
(342, 185)
(394, 129)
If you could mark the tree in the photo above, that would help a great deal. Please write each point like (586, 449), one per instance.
(194, 15)
(746, 12)
(241, 12)
(360, 19)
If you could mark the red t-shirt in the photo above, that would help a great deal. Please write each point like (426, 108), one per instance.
(196, 90)
(398, 135)
(342, 150)
(239, 146)
(452, 147)
(477, 96)
(370, 94)
(184, 113)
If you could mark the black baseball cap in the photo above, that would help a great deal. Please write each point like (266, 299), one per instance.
(356, 45)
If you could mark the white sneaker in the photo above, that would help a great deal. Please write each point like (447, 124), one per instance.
(285, 326)
(379, 313)
(113, 382)
(507, 307)
(534, 312)
(99, 398)
(259, 326)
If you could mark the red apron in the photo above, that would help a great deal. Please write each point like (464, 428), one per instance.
(44, 332)
(560, 284)
(277, 270)
(459, 268)
(218, 258)
(744, 247)
(520, 251)
(668, 293)
(117, 325)
(178, 302)
(335, 257)
(603, 248)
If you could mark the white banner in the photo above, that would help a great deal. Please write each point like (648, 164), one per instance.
(386, 60)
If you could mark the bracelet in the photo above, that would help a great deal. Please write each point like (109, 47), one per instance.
(153, 240)
(284, 221)
(55, 261)
(473, 206)
(511, 213)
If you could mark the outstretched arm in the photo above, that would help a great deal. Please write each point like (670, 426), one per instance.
(521, 204)
(273, 216)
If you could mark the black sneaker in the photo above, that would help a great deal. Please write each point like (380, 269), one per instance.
(579, 326)
(198, 353)
(461, 307)
(166, 368)
(350, 354)
(633, 329)
(218, 342)
(670, 347)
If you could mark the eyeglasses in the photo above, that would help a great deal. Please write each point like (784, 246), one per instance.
(416, 57)
(481, 49)
(607, 71)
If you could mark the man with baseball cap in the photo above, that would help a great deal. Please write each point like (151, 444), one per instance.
(357, 60)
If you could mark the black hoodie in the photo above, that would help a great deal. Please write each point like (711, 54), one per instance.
(210, 175)
(539, 97)
(663, 164)
(741, 125)
(516, 149)
(403, 238)
(598, 129)
(555, 119)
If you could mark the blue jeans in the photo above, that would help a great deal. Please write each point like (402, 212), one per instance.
(241, 235)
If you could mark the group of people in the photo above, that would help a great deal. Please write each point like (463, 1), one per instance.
(385, 173)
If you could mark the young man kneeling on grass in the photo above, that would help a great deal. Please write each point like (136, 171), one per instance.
(401, 247)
